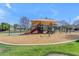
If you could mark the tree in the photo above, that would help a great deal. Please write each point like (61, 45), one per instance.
(15, 26)
(4, 26)
(65, 26)
(76, 24)
(24, 22)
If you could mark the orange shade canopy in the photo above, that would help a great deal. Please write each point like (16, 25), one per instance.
(43, 21)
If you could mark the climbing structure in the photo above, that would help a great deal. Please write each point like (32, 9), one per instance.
(39, 24)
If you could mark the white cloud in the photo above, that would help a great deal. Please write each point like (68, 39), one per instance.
(54, 12)
(76, 18)
(2, 14)
(40, 15)
(8, 5)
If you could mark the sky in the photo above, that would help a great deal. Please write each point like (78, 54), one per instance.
(12, 12)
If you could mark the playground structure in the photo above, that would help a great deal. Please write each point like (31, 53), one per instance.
(41, 26)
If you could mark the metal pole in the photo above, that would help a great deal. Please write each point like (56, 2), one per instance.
(20, 29)
(9, 30)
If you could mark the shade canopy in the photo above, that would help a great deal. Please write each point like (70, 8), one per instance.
(43, 21)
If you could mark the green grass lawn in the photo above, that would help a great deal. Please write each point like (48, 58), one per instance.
(66, 48)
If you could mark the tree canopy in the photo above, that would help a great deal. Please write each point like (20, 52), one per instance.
(4, 26)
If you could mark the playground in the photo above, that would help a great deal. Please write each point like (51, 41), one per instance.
(39, 38)
(53, 41)
(42, 32)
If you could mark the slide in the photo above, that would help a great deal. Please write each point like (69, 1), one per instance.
(32, 31)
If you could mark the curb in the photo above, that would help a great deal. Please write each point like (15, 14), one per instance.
(38, 44)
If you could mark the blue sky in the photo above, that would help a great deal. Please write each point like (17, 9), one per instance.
(12, 13)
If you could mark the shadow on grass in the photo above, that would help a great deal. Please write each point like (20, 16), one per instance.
(60, 53)
(77, 41)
